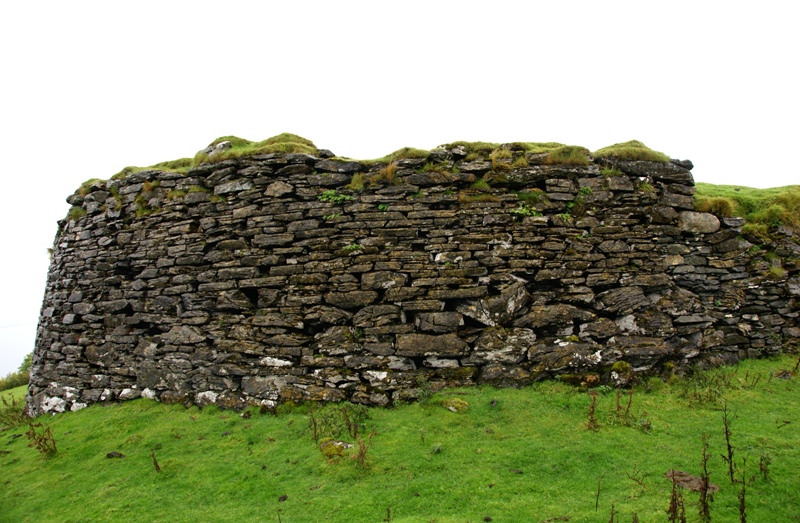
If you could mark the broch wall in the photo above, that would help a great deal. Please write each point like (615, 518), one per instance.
(276, 277)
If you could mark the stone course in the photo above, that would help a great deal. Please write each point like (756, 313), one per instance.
(267, 279)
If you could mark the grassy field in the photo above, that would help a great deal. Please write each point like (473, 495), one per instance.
(511, 455)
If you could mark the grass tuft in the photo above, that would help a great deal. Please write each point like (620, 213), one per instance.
(568, 155)
(633, 150)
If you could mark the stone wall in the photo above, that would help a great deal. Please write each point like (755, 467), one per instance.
(276, 277)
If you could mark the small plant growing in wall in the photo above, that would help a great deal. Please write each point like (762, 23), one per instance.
(525, 210)
(332, 196)
(76, 213)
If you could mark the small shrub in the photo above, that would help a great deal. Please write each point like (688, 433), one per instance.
(360, 455)
(11, 413)
(42, 440)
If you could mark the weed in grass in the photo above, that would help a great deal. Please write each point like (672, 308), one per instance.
(676, 512)
(636, 475)
(424, 391)
(742, 493)
(706, 497)
(388, 517)
(613, 518)
(155, 461)
(764, 462)
(363, 449)
(727, 421)
(706, 388)
(597, 495)
(41, 440)
(592, 423)
(334, 421)
(11, 413)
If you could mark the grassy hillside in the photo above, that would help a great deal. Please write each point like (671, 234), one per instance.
(761, 208)
(510, 455)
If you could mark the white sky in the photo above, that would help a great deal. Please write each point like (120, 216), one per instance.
(90, 87)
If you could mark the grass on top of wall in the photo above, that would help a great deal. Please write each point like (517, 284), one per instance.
(633, 150)
(509, 455)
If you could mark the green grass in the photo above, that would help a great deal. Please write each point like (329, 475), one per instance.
(284, 143)
(632, 150)
(512, 455)
(761, 208)
(568, 155)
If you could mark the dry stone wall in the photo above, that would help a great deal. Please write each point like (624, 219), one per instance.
(277, 277)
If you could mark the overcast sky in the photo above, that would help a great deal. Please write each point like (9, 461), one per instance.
(90, 87)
